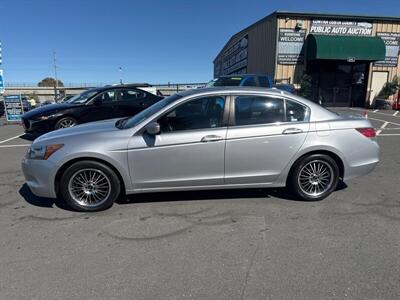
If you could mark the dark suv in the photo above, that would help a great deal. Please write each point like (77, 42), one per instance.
(242, 80)
(92, 105)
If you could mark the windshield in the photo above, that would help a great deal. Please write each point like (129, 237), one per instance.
(143, 115)
(83, 97)
(225, 81)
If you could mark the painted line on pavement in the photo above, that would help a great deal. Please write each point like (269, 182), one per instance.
(10, 139)
(396, 113)
(382, 127)
(374, 111)
(380, 120)
(12, 146)
(389, 134)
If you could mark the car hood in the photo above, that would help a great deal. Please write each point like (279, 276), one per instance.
(88, 128)
(47, 109)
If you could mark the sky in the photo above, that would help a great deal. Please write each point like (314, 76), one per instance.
(153, 41)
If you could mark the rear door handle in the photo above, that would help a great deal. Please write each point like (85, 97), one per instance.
(292, 131)
(211, 138)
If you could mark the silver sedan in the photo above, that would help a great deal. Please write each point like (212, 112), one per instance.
(216, 138)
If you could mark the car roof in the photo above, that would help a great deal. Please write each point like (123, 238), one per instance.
(130, 85)
(242, 75)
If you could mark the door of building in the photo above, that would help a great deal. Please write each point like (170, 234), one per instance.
(338, 83)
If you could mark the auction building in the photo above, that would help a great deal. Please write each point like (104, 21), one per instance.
(348, 58)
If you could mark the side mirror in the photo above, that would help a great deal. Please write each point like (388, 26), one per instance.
(97, 102)
(153, 128)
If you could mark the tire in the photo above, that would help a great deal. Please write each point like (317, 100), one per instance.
(65, 123)
(89, 186)
(314, 177)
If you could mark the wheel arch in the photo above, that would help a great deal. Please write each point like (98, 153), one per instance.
(331, 154)
(68, 163)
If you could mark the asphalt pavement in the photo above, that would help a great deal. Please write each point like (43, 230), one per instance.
(238, 244)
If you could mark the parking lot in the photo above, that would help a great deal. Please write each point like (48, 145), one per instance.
(239, 244)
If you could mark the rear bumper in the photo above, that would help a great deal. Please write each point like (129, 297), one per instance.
(361, 170)
(40, 176)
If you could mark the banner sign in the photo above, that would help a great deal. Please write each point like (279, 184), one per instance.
(1, 82)
(234, 58)
(290, 45)
(335, 27)
(392, 42)
(13, 107)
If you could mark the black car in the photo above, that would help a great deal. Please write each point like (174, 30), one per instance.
(92, 105)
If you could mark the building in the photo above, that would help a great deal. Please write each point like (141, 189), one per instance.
(349, 58)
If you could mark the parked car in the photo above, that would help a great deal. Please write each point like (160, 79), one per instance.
(242, 80)
(218, 138)
(92, 105)
(285, 87)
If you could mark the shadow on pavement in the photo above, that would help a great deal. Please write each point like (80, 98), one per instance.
(29, 136)
(29, 197)
(230, 194)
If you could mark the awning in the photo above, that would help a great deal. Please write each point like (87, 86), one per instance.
(350, 48)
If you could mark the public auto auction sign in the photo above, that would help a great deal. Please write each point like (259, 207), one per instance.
(13, 107)
(337, 27)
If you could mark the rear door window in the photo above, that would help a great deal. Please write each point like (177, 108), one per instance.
(130, 94)
(295, 112)
(251, 110)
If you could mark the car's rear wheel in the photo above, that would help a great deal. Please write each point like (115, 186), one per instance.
(89, 186)
(66, 122)
(314, 177)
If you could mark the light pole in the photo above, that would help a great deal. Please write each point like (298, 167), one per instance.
(55, 75)
(120, 75)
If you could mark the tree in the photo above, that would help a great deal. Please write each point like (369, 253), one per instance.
(50, 82)
(305, 86)
(390, 88)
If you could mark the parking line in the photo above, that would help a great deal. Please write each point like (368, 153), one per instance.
(382, 127)
(12, 138)
(376, 110)
(380, 120)
(389, 134)
(11, 146)
(395, 114)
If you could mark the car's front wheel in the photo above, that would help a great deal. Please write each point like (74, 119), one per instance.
(65, 123)
(314, 177)
(89, 186)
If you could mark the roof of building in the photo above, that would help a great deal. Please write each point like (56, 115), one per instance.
(280, 13)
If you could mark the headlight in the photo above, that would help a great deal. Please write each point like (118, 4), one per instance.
(43, 118)
(43, 152)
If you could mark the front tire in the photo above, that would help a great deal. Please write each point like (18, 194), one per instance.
(66, 123)
(314, 177)
(89, 186)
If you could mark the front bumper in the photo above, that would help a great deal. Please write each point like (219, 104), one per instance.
(40, 176)
(41, 126)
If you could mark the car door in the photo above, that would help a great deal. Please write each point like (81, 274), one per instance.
(103, 106)
(264, 133)
(133, 101)
(188, 151)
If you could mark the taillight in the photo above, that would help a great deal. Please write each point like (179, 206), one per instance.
(368, 132)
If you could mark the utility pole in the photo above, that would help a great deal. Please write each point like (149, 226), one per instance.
(55, 75)
(120, 75)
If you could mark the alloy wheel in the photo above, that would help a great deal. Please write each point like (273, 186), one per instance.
(89, 187)
(315, 178)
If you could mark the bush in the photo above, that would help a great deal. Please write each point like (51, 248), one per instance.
(390, 88)
(305, 86)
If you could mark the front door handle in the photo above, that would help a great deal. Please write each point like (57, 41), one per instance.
(211, 138)
(292, 131)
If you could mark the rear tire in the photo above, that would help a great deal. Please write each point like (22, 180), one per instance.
(66, 123)
(89, 186)
(314, 177)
